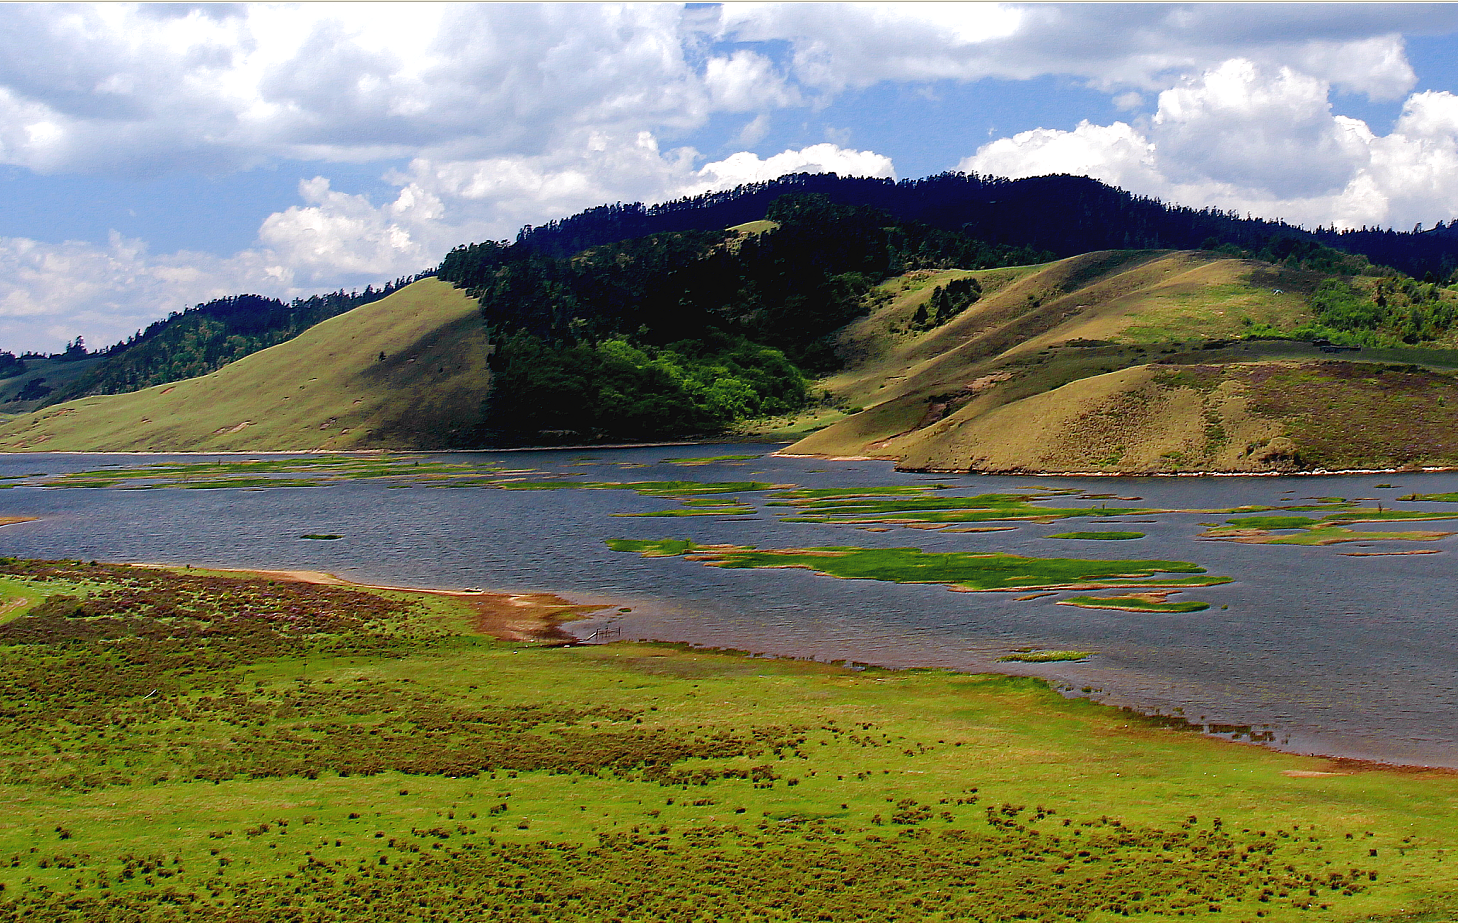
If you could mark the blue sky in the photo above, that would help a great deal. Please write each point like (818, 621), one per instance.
(152, 157)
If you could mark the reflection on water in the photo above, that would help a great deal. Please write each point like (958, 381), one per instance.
(1324, 651)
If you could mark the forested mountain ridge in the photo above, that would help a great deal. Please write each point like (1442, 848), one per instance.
(1066, 215)
(916, 340)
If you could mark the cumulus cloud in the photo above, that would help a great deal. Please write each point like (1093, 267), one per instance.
(747, 82)
(125, 88)
(1356, 47)
(745, 167)
(114, 88)
(1274, 132)
(1264, 141)
(50, 293)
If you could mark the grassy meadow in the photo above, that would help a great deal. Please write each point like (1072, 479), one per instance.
(204, 747)
(408, 371)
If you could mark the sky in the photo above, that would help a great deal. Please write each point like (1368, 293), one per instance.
(153, 157)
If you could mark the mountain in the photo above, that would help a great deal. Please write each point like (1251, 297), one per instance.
(941, 323)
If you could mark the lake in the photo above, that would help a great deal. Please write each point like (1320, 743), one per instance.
(1343, 649)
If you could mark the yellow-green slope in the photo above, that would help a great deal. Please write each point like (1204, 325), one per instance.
(328, 388)
(1120, 362)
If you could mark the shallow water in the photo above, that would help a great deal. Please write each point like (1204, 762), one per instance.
(1325, 652)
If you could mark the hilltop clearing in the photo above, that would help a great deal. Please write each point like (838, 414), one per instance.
(1131, 361)
(406, 371)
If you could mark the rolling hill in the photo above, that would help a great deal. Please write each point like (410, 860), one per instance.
(936, 349)
(1131, 362)
(408, 371)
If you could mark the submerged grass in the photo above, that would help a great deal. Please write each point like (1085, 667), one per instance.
(201, 748)
(1045, 656)
(917, 505)
(1328, 530)
(1135, 602)
(957, 570)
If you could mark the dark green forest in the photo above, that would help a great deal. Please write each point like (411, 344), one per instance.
(1398, 310)
(688, 332)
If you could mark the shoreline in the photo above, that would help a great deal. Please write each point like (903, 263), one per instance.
(1025, 473)
(537, 619)
(527, 448)
(999, 472)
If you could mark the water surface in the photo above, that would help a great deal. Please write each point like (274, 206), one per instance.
(1323, 651)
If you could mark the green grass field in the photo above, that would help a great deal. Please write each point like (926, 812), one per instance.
(194, 747)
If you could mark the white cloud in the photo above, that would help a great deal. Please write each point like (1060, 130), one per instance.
(142, 89)
(747, 82)
(50, 293)
(1117, 154)
(338, 234)
(745, 167)
(1270, 131)
(1357, 47)
(1264, 141)
(116, 88)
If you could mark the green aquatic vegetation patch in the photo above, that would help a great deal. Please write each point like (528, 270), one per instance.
(1270, 523)
(1333, 535)
(1434, 498)
(1135, 603)
(958, 570)
(1369, 514)
(852, 493)
(920, 507)
(1045, 656)
(669, 489)
(249, 483)
(1112, 536)
(1329, 530)
(708, 460)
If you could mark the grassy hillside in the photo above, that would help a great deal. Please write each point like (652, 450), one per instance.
(27, 390)
(1129, 361)
(328, 388)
